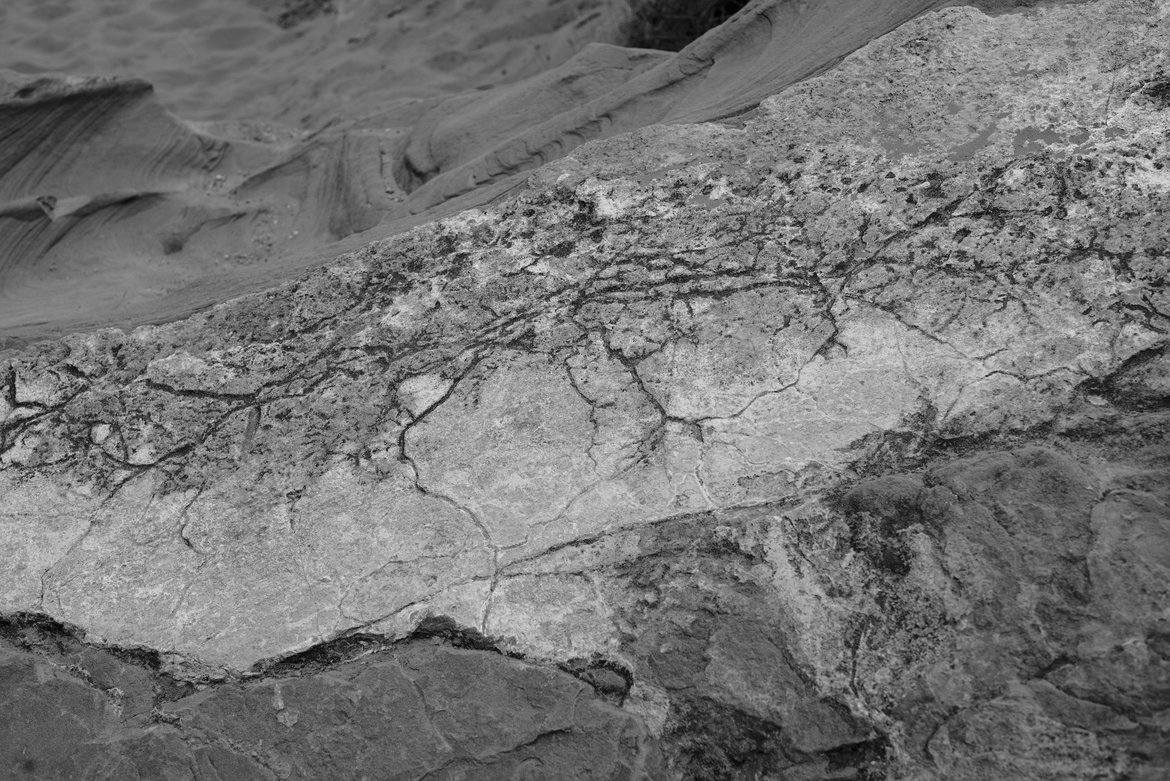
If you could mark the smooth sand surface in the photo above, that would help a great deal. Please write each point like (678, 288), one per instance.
(277, 138)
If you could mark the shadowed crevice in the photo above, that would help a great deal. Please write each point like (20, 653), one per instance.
(670, 25)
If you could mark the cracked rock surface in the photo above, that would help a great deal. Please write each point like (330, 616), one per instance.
(830, 442)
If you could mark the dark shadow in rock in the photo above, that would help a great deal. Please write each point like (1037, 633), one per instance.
(670, 25)
(1141, 383)
(878, 511)
(611, 680)
(44, 635)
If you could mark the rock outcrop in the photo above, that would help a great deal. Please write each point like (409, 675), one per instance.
(827, 442)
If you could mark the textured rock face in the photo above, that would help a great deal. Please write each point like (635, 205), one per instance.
(828, 443)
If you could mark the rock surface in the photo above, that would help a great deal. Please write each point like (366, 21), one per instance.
(826, 443)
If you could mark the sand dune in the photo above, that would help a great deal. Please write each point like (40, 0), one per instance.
(278, 138)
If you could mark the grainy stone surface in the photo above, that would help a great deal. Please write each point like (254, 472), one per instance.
(830, 443)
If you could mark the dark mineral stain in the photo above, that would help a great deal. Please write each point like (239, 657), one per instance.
(562, 250)
(294, 12)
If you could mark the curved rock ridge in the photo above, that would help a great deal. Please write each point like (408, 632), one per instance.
(842, 433)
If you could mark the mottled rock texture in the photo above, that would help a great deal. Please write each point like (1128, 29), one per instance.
(826, 443)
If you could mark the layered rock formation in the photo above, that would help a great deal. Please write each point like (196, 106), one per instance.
(828, 442)
(336, 147)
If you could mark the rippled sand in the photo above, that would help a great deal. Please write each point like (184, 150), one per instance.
(263, 59)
